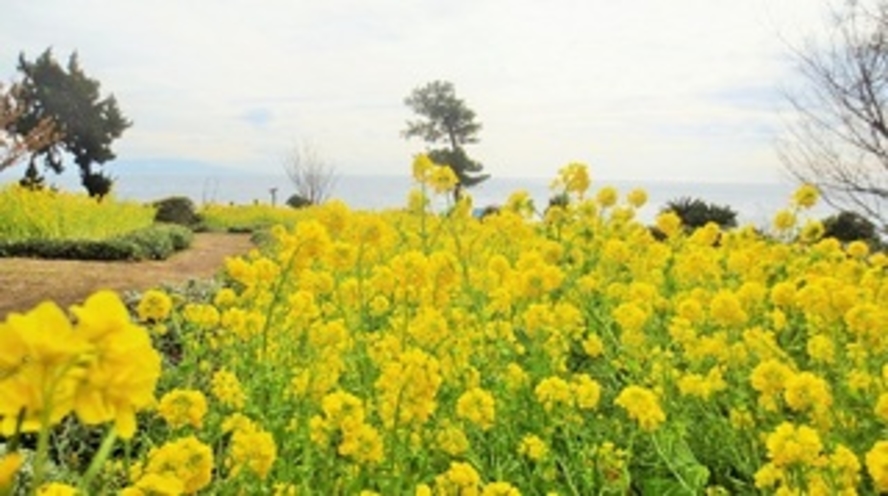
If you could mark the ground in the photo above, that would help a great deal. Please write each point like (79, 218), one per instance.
(25, 282)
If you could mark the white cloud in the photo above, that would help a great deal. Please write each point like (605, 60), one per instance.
(645, 89)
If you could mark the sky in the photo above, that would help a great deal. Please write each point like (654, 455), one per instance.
(671, 90)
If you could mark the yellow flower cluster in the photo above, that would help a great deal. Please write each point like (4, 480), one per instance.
(181, 466)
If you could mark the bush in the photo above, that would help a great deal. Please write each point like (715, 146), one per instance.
(298, 201)
(157, 242)
(177, 210)
(696, 213)
(850, 226)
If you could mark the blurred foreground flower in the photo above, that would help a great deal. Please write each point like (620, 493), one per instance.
(102, 368)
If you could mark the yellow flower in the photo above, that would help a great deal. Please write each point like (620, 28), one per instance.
(182, 407)
(593, 346)
(637, 197)
(587, 391)
(769, 377)
(500, 489)
(227, 389)
(642, 405)
(186, 460)
(806, 390)
(41, 358)
(784, 220)
(533, 447)
(123, 370)
(806, 196)
(9, 465)
(881, 409)
(452, 440)
(363, 443)
(552, 392)
(877, 465)
(669, 223)
(253, 449)
(574, 178)
(460, 478)
(477, 406)
(725, 309)
(857, 249)
(154, 306)
(789, 444)
(56, 489)
(846, 466)
(442, 179)
(422, 167)
(607, 196)
(156, 484)
(821, 349)
(812, 231)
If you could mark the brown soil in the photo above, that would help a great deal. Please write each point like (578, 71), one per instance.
(24, 282)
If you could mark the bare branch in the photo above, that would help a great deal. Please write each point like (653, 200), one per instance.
(838, 138)
(313, 178)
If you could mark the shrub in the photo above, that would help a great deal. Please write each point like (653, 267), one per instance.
(177, 210)
(850, 226)
(696, 213)
(156, 242)
(298, 201)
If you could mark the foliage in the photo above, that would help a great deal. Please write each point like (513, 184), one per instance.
(409, 352)
(849, 226)
(837, 137)
(155, 242)
(446, 119)
(696, 213)
(177, 210)
(70, 99)
(312, 176)
(56, 215)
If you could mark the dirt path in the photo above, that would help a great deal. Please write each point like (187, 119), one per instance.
(24, 282)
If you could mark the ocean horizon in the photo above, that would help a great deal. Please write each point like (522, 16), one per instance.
(755, 203)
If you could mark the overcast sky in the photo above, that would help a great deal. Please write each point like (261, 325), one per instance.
(643, 89)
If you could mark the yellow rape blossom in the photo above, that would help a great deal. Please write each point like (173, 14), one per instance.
(227, 389)
(186, 460)
(477, 406)
(124, 368)
(789, 444)
(460, 478)
(553, 392)
(56, 489)
(182, 407)
(500, 489)
(877, 465)
(253, 450)
(642, 405)
(155, 305)
(806, 196)
(533, 448)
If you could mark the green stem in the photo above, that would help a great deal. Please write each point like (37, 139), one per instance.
(98, 460)
(42, 447)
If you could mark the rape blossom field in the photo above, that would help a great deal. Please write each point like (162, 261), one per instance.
(433, 353)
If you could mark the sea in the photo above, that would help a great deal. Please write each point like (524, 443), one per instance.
(755, 203)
